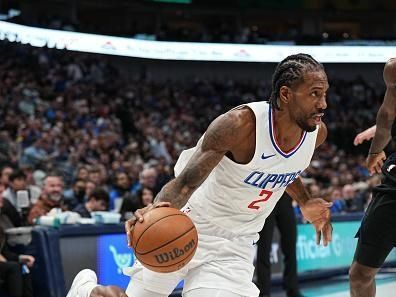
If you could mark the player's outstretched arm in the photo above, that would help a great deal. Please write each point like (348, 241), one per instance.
(365, 135)
(385, 118)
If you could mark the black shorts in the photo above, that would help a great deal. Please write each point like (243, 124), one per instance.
(377, 233)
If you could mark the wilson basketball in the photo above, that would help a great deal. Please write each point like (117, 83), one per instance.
(166, 240)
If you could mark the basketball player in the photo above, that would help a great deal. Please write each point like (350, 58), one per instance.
(230, 182)
(377, 233)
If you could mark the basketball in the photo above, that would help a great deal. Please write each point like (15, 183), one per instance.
(165, 241)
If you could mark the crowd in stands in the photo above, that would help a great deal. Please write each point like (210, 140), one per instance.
(77, 135)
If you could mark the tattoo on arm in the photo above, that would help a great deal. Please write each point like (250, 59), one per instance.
(179, 190)
(222, 136)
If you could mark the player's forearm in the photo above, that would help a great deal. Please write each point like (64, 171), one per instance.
(383, 131)
(298, 192)
(176, 193)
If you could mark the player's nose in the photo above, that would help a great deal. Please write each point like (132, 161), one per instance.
(322, 103)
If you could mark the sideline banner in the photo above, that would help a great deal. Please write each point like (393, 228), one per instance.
(311, 257)
(191, 51)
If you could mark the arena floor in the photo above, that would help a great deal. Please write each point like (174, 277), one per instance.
(339, 287)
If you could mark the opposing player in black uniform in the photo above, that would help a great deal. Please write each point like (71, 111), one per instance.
(377, 234)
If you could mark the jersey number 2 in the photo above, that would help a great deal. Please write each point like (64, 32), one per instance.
(265, 193)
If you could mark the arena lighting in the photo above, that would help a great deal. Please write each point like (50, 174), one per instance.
(191, 51)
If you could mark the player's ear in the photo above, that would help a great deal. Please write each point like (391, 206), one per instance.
(285, 94)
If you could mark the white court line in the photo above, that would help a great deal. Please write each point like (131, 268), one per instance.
(382, 291)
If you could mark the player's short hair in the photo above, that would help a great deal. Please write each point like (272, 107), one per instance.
(290, 72)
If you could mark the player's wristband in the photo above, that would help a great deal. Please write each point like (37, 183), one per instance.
(375, 153)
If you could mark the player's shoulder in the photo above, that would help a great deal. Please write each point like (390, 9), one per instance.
(390, 71)
(230, 128)
(242, 115)
(391, 63)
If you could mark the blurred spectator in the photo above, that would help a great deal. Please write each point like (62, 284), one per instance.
(164, 174)
(5, 172)
(94, 175)
(82, 173)
(75, 195)
(38, 177)
(147, 178)
(19, 196)
(34, 189)
(353, 201)
(17, 182)
(338, 203)
(120, 190)
(140, 199)
(15, 283)
(51, 197)
(89, 187)
(97, 201)
(2, 189)
(36, 154)
(6, 221)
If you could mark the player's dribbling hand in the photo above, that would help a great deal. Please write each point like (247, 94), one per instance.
(138, 217)
(374, 162)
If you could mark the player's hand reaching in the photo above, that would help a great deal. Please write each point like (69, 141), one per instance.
(317, 212)
(365, 135)
(138, 217)
(375, 162)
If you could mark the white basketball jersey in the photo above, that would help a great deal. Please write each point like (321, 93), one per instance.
(239, 197)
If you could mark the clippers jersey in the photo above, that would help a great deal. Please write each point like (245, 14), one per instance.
(239, 197)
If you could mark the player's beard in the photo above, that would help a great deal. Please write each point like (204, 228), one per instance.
(303, 124)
